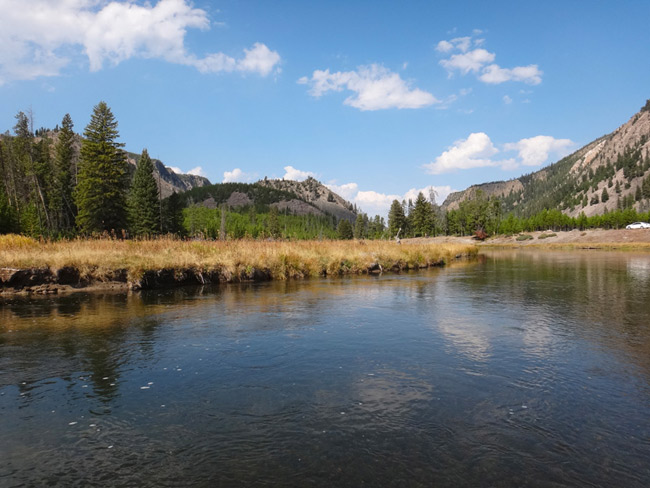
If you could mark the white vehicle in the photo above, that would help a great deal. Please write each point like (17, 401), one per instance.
(638, 225)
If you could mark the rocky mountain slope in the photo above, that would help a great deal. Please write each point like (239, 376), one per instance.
(309, 197)
(316, 194)
(168, 181)
(609, 173)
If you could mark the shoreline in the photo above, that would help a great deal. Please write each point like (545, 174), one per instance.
(29, 267)
(591, 239)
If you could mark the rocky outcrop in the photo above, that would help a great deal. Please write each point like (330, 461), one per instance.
(316, 194)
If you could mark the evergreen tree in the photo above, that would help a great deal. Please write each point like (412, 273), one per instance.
(617, 188)
(61, 202)
(144, 205)
(637, 193)
(274, 222)
(173, 214)
(646, 187)
(396, 219)
(422, 217)
(344, 229)
(604, 196)
(101, 186)
(8, 217)
(360, 226)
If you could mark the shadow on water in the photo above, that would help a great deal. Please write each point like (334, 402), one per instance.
(519, 369)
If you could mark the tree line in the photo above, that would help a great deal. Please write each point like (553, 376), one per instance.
(56, 185)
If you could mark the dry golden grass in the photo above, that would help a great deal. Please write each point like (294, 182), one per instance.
(97, 259)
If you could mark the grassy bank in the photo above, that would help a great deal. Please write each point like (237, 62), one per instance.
(141, 263)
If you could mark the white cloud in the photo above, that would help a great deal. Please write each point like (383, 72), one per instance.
(444, 46)
(259, 59)
(294, 174)
(481, 62)
(375, 88)
(348, 191)
(477, 151)
(473, 152)
(41, 37)
(495, 75)
(375, 203)
(507, 100)
(237, 175)
(198, 171)
(460, 43)
(536, 150)
(471, 61)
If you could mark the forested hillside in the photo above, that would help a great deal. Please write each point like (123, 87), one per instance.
(57, 183)
(610, 173)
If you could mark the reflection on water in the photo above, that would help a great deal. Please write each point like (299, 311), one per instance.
(523, 368)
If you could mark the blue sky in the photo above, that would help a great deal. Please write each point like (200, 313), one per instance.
(378, 99)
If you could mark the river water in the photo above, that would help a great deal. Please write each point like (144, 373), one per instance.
(519, 369)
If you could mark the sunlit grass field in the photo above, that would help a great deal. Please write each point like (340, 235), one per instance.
(97, 259)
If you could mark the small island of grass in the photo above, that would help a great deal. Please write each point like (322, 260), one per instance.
(48, 267)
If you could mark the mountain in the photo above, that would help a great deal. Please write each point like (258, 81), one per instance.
(316, 194)
(609, 173)
(309, 197)
(168, 181)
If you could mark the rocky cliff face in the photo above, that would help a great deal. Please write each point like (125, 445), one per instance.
(315, 193)
(616, 165)
(168, 181)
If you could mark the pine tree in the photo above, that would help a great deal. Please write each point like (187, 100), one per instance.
(360, 226)
(61, 202)
(173, 214)
(101, 186)
(396, 219)
(8, 217)
(604, 196)
(421, 217)
(144, 206)
(344, 229)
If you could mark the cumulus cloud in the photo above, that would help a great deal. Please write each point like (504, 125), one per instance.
(198, 171)
(478, 151)
(291, 173)
(237, 175)
(535, 150)
(374, 86)
(471, 61)
(480, 62)
(348, 190)
(507, 100)
(376, 203)
(495, 75)
(41, 37)
(473, 152)
(460, 43)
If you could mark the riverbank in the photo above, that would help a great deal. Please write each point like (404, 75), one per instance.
(30, 266)
(610, 239)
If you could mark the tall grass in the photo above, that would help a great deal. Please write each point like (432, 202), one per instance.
(99, 259)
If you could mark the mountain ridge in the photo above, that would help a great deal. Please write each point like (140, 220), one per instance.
(611, 172)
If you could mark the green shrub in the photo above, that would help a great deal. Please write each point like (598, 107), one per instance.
(524, 237)
(545, 236)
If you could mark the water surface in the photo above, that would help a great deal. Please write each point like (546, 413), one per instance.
(520, 369)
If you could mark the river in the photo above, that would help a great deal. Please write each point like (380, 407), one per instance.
(522, 368)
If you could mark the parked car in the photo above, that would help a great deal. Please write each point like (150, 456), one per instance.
(638, 225)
